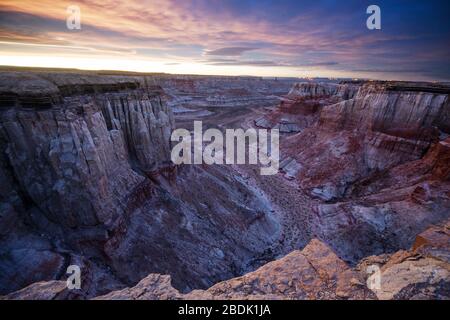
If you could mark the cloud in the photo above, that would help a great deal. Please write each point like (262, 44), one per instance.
(394, 70)
(266, 63)
(259, 63)
(281, 34)
(320, 64)
(228, 51)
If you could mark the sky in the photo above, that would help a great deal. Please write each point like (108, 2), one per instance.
(320, 38)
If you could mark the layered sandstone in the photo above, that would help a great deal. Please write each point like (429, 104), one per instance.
(314, 89)
(220, 91)
(86, 179)
(69, 155)
(300, 108)
(369, 160)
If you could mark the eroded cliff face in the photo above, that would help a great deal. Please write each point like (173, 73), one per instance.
(301, 107)
(221, 91)
(314, 89)
(86, 179)
(376, 130)
(70, 157)
(369, 162)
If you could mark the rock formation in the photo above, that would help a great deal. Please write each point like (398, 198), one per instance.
(369, 160)
(220, 92)
(301, 107)
(314, 89)
(423, 272)
(69, 159)
(86, 179)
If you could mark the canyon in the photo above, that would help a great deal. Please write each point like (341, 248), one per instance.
(86, 179)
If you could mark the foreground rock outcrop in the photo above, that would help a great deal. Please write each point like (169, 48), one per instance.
(423, 272)
(313, 273)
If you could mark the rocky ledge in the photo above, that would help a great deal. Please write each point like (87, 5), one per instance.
(316, 272)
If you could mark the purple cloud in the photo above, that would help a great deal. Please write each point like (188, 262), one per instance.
(229, 51)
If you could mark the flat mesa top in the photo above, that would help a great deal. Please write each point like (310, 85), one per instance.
(38, 81)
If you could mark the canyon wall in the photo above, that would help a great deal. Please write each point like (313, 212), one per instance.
(71, 155)
(314, 89)
(217, 91)
(370, 161)
(375, 130)
(86, 179)
(71, 152)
